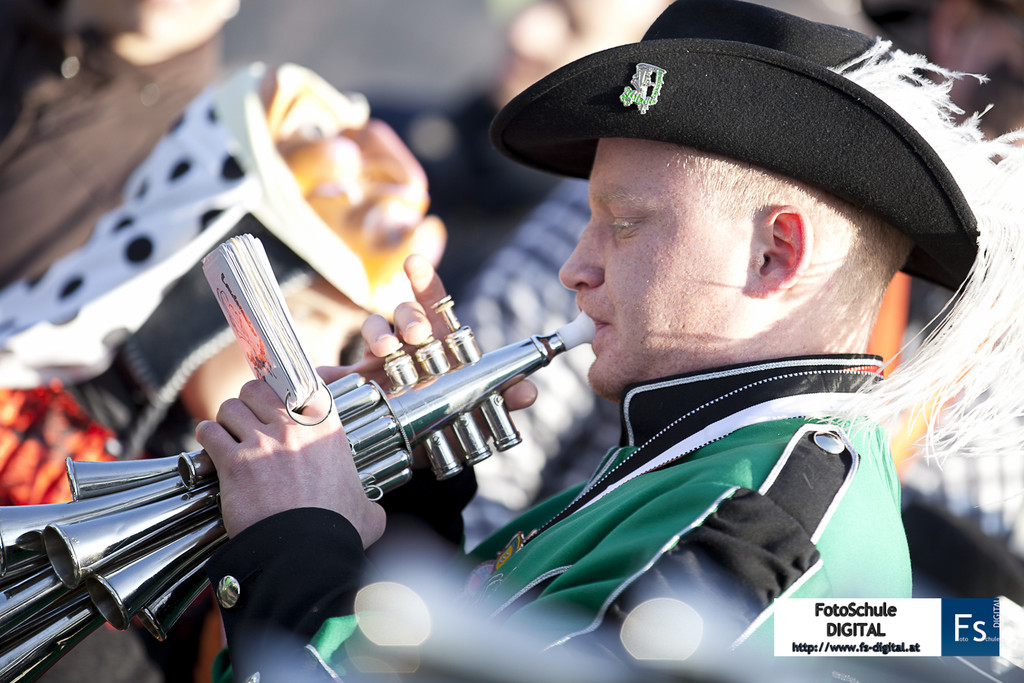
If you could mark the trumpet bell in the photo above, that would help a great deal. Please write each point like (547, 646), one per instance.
(21, 538)
(164, 611)
(121, 593)
(89, 479)
(27, 654)
(80, 547)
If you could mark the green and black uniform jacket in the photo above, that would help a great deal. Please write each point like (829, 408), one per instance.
(723, 494)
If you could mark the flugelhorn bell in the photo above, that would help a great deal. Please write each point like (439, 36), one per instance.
(122, 592)
(90, 479)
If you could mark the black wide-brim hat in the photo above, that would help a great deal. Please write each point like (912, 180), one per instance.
(753, 84)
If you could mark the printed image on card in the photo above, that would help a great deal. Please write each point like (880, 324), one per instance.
(243, 281)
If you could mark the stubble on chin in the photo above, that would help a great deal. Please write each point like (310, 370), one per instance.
(604, 386)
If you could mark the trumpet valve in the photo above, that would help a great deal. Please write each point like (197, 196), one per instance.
(460, 341)
(442, 458)
(499, 421)
(401, 370)
(471, 439)
(463, 346)
(446, 309)
(432, 358)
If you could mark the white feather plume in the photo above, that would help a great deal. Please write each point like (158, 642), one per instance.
(972, 363)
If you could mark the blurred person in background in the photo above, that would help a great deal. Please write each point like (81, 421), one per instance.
(480, 195)
(983, 37)
(87, 88)
(111, 344)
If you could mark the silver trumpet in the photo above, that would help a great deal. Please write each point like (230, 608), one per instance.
(131, 546)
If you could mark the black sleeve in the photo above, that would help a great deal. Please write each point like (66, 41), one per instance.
(427, 502)
(294, 570)
(298, 568)
(731, 567)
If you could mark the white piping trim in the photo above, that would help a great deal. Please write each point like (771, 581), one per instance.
(606, 465)
(769, 411)
(807, 362)
(528, 587)
(769, 481)
(316, 655)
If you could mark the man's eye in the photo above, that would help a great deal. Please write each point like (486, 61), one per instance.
(624, 225)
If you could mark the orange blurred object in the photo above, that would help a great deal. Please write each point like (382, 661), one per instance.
(887, 335)
(359, 178)
(321, 164)
(39, 429)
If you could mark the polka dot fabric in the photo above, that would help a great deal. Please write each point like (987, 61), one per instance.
(178, 206)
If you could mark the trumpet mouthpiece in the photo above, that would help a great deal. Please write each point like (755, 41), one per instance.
(576, 332)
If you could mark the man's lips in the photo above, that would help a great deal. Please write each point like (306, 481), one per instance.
(597, 319)
(600, 323)
(599, 327)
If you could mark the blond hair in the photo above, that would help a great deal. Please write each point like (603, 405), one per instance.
(874, 250)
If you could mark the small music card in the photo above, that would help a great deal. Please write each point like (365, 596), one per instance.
(243, 281)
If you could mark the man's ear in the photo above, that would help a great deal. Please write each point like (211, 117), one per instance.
(781, 251)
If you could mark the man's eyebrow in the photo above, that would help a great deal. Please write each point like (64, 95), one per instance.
(621, 197)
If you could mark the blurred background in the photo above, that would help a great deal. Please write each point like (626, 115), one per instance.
(425, 65)
(393, 49)
(390, 50)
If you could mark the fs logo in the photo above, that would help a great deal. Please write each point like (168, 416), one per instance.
(970, 627)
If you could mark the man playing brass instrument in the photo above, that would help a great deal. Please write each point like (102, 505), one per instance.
(755, 181)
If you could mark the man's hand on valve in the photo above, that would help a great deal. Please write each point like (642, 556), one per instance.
(415, 323)
(267, 462)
